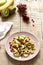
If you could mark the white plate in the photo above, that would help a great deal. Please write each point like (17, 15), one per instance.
(37, 46)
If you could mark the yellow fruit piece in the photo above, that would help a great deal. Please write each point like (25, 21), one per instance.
(2, 2)
(6, 5)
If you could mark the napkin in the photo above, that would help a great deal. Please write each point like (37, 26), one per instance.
(4, 28)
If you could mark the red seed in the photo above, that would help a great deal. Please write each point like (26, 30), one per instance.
(33, 21)
(11, 48)
(33, 25)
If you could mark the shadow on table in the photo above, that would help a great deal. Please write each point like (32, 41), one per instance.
(32, 61)
(8, 18)
(29, 62)
(12, 61)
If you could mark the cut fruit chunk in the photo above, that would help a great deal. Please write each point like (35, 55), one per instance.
(16, 53)
(25, 55)
(2, 2)
(6, 5)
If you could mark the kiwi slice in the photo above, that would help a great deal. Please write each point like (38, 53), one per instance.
(5, 13)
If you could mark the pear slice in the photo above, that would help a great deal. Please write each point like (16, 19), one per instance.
(2, 2)
(6, 5)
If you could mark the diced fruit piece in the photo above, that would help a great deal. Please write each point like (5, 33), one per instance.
(32, 47)
(31, 51)
(25, 55)
(16, 37)
(16, 45)
(15, 50)
(24, 36)
(21, 53)
(27, 39)
(23, 46)
(26, 43)
(12, 9)
(19, 44)
(16, 53)
(5, 13)
(20, 39)
(31, 40)
(25, 49)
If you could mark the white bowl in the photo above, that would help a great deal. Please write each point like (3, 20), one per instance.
(37, 46)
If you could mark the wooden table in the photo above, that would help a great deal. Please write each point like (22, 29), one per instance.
(34, 11)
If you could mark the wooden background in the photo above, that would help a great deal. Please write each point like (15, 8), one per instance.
(34, 11)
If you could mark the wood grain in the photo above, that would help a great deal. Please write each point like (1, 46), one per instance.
(34, 11)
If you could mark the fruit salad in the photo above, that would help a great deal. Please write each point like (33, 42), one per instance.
(22, 46)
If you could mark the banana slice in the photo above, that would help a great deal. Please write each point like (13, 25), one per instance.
(2, 2)
(5, 5)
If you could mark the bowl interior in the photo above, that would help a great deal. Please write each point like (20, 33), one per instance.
(37, 46)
